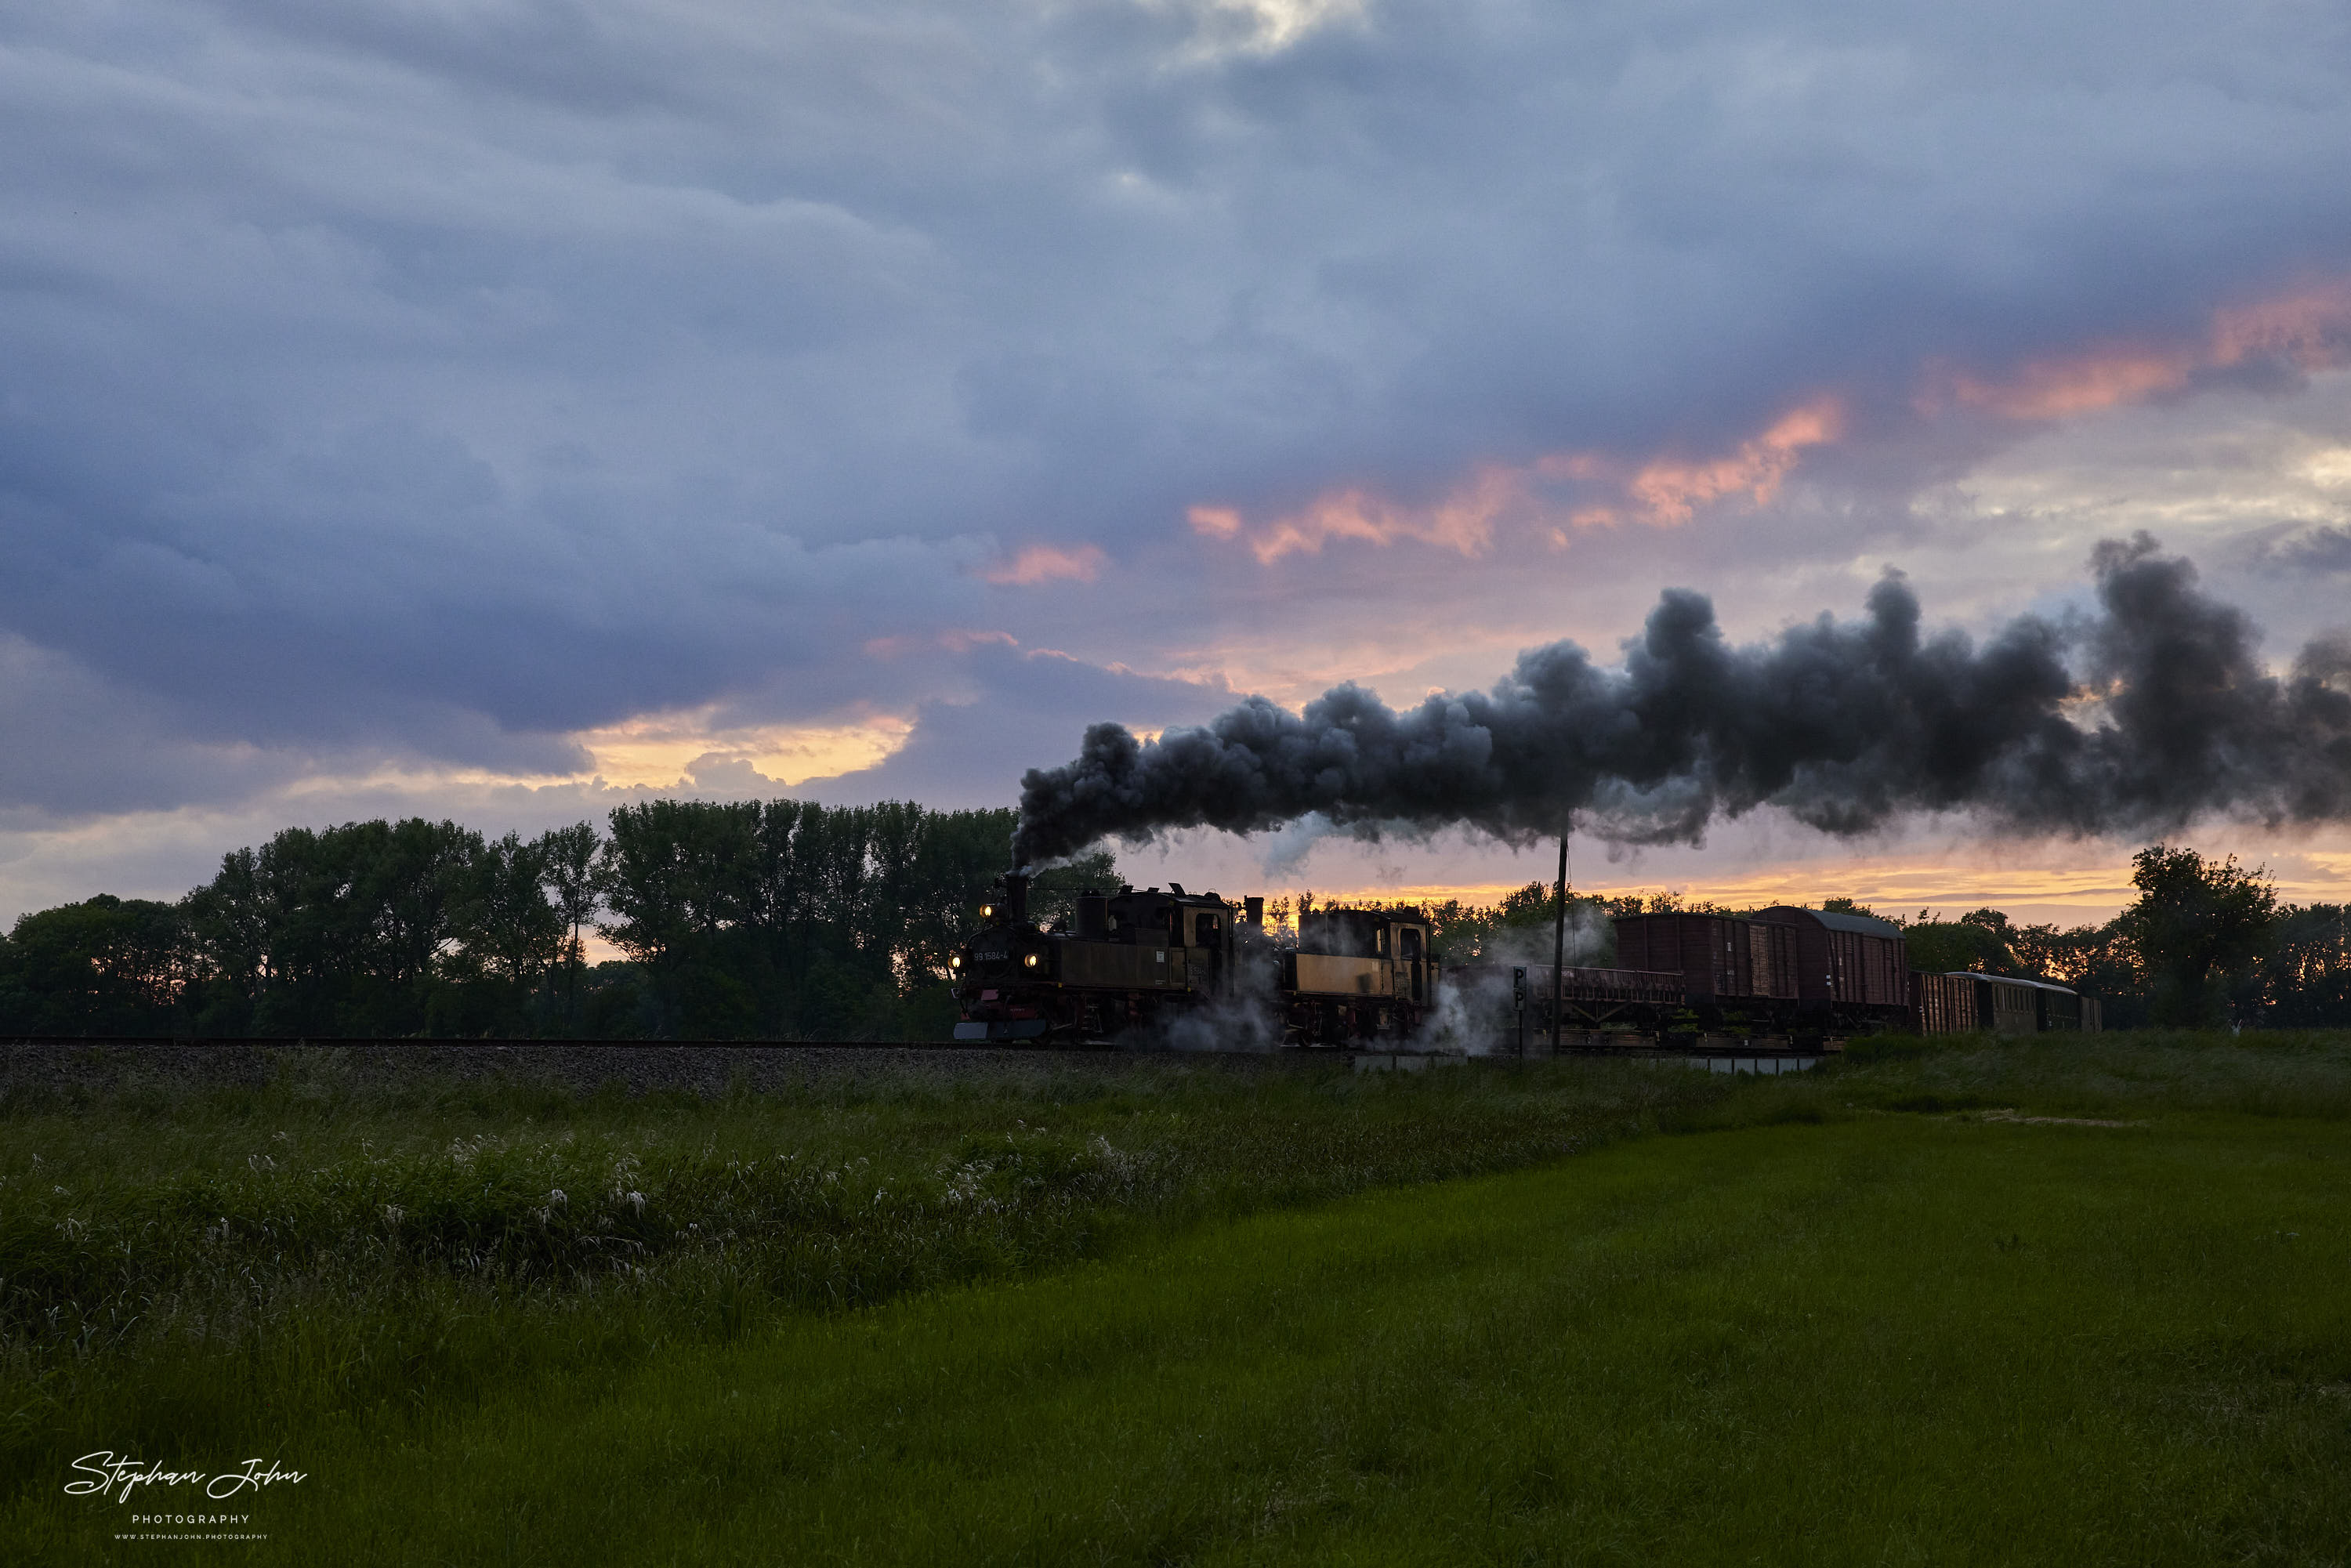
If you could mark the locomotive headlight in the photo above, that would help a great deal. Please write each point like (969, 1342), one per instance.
(955, 961)
(1028, 960)
(987, 912)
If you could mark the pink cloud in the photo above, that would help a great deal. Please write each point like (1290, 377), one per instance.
(1670, 491)
(2309, 327)
(1047, 563)
(1662, 491)
(1463, 520)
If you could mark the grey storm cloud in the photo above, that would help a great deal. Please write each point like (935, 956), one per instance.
(1018, 705)
(1844, 726)
(2323, 550)
(546, 363)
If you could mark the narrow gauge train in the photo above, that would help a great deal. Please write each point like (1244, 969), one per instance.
(1130, 960)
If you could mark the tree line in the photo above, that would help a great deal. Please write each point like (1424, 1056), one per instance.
(777, 919)
(2206, 944)
(784, 919)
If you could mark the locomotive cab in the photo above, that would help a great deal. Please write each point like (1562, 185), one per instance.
(1358, 973)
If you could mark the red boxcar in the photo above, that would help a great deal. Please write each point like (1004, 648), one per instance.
(1845, 961)
(1721, 957)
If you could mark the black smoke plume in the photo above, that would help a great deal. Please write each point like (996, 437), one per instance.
(2136, 719)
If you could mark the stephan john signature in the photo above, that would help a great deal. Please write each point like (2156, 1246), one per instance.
(103, 1472)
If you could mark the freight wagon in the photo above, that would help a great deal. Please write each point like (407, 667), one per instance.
(1851, 969)
(1784, 970)
(1730, 968)
(2001, 1004)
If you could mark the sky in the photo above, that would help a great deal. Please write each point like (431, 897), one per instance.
(507, 409)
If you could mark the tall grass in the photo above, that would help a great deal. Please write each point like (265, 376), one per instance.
(232, 1269)
(1898, 1339)
(2283, 1072)
(211, 1269)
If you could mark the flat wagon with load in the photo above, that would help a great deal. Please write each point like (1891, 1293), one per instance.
(1512, 1004)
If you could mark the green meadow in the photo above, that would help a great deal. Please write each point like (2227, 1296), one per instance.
(2056, 1301)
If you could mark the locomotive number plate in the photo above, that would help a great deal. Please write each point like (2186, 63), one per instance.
(991, 957)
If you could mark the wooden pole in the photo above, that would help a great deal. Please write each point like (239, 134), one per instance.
(1559, 947)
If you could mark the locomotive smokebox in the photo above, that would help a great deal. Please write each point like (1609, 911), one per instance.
(1015, 896)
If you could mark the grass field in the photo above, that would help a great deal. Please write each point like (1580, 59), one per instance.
(1201, 1315)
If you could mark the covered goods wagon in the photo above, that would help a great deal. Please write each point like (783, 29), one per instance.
(1846, 962)
(1719, 958)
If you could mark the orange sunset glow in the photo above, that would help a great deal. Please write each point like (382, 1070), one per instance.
(655, 750)
(1893, 885)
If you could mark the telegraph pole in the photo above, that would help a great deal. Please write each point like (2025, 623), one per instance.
(1559, 942)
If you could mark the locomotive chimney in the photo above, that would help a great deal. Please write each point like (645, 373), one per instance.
(1015, 896)
(1253, 910)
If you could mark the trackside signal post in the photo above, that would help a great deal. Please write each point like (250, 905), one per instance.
(1559, 945)
(1519, 1005)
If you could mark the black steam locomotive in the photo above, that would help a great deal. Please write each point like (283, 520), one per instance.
(1135, 960)
(1139, 961)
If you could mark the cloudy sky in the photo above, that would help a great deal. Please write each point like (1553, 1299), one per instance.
(502, 408)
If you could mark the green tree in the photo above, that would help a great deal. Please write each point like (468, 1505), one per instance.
(676, 876)
(1983, 940)
(407, 880)
(344, 930)
(229, 923)
(567, 858)
(106, 966)
(2198, 928)
(778, 919)
(504, 924)
(2306, 980)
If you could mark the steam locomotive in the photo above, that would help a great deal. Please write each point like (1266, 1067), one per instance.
(1136, 961)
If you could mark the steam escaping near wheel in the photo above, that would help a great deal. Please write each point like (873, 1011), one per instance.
(2149, 712)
